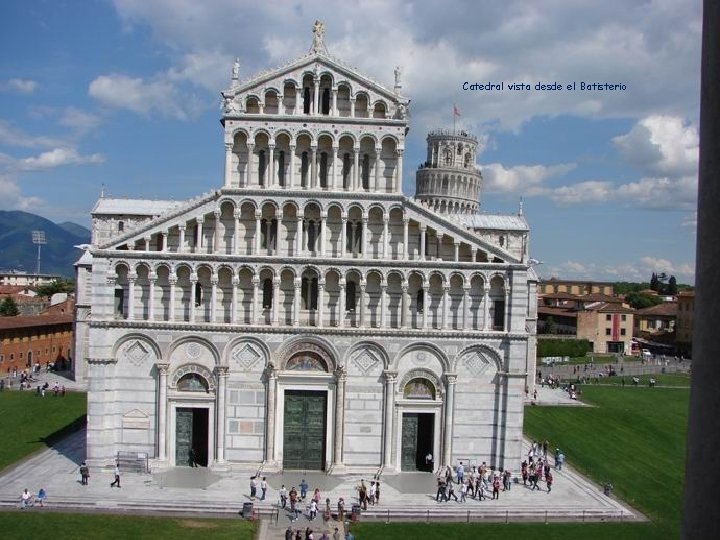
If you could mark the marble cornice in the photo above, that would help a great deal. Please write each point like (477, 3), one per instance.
(306, 330)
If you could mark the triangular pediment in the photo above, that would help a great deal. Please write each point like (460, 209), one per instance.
(314, 64)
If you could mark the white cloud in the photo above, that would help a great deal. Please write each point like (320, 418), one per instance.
(661, 146)
(581, 193)
(12, 136)
(639, 270)
(79, 120)
(21, 86)
(657, 264)
(520, 178)
(11, 197)
(57, 157)
(143, 97)
(690, 220)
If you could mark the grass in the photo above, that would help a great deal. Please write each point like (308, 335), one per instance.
(632, 438)
(34, 524)
(34, 422)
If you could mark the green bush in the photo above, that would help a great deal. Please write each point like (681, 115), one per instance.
(563, 347)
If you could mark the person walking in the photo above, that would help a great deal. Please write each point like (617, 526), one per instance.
(263, 488)
(303, 489)
(463, 491)
(289, 533)
(341, 510)
(84, 474)
(293, 503)
(460, 470)
(116, 482)
(560, 460)
(451, 493)
(377, 492)
(507, 480)
(253, 487)
(440, 489)
(313, 509)
(496, 487)
(549, 481)
(371, 493)
(283, 497)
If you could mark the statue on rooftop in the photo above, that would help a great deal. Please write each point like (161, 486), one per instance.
(318, 44)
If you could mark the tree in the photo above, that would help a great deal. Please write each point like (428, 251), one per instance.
(654, 283)
(57, 286)
(8, 307)
(672, 287)
(639, 300)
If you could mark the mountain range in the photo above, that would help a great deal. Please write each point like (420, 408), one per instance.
(57, 256)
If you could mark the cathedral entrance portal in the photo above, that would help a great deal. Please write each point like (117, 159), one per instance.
(304, 434)
(417, 441)
(191, 433)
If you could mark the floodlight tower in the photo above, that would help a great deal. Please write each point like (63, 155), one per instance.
(38, 238)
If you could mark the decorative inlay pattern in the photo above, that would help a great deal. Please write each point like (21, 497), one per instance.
(476, 363)
(246, 356)
(366, 360)
(193, 350)
(137, 353)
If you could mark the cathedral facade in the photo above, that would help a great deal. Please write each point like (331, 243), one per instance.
(308, 315)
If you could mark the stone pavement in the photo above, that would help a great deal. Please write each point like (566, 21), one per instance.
(203, 492)
(63, 378)
(554, 396)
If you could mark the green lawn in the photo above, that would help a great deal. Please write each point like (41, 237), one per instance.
(632, 438)
(28, 421)
(37, 524)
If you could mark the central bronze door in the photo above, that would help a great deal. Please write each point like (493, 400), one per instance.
(304, 431)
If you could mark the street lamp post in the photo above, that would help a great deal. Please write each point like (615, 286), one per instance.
(38, 238)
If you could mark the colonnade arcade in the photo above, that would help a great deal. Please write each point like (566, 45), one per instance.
(310, 229)
(301, 160)
(310, 296)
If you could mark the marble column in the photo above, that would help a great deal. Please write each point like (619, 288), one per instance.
(222, 372)
(355, 184)
(199, 242)
(352, 107)
(364, 237)
(162, 410)
(131, 296)
(193, 286)
(383, 305)
(147, 243)
(258, 215)
(406, 247)
(506, 315)
(473, 253)
(250, 176)
(298, 100)
(450, 379)
(228, 164)
(216, 232)
(446, 307)
(466, 305)
(486, 309)
(272, 377)
(321, 302)
(278, 237)
(404, 307)
(313, 168)
(296, 302)
(181, 244)
(390, 377)
(343, 235)
(171, 311)
(213, 298)
(164, 235)
(457, 251)
(292, 166)
(234, 302)
(323, 226)
(276, 301)
(336, 160)
(426, 300)
(316, 98)
(423, 231)
(341, 305)
(386, 239)
(362, 304)
(257, 301)
(378, 150)
(398, 182)
(340, 377)
(271, 167)
(300, 235)
(334, 110)
(236, 232)
(152, 278)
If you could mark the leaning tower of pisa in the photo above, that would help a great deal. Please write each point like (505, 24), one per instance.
(449, 181)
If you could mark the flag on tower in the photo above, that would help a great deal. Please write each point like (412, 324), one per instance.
(456, 112)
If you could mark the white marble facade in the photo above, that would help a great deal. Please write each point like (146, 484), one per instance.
(310, 249)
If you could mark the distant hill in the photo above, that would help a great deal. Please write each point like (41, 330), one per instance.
(17, 252)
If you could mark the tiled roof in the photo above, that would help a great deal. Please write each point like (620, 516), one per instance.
(501, 222)
(561, 312)
(28, 321)
(666, 309)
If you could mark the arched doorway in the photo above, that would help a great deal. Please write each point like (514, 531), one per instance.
(420, 405)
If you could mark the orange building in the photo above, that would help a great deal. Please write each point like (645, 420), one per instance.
(39, 339)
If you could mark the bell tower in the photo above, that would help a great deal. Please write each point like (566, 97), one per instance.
(449, 181)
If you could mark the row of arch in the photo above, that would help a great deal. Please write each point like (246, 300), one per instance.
(312, 95)
(300, 160)
(310, 296)
(288, 228)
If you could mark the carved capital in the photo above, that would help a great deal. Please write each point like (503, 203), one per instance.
(451, 378)
(163, 368)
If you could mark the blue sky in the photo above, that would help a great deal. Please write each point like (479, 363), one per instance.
(125, 94)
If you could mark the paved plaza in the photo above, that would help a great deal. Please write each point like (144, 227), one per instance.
(202, 492)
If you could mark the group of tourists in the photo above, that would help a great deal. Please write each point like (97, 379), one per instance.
(28, 499)
(477, 483)
(308, 534)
